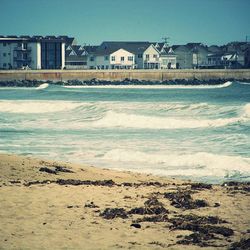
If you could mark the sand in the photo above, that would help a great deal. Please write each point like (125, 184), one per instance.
(47, 215)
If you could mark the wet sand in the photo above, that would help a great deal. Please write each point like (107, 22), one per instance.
(53, 205)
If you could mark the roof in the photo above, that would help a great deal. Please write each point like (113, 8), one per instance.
(36, 38)
(108, 47)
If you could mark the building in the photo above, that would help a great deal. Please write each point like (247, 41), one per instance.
(167, 57)
(75, 57)
(132, 55)
(35, 52)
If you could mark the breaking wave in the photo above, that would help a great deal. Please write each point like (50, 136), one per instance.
(197, 164)
(113, 119)
(43, 86)
(36, 107)
(169, 86)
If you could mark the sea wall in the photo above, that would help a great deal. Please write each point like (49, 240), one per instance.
(119, 75)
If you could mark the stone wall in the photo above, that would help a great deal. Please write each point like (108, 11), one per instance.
(112, 75)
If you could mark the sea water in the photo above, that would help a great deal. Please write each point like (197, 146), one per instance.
(195, 132)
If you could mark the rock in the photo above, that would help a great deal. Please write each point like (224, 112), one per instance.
(136, 225)
(91, 205)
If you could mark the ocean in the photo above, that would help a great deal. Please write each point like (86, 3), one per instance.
(200, 132)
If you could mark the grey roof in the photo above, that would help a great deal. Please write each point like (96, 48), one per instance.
(109, 47)
(90, 48)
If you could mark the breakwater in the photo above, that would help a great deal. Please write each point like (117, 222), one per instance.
(121, 75)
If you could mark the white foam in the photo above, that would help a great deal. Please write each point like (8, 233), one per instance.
(43, 86)
(197, 164)
(36, 106)
(224, 85)
(123, 120)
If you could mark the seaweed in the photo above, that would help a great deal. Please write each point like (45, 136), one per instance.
(183, 199)
(112, 213)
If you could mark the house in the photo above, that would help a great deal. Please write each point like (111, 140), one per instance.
(184, 56)
(35, 52)
(233, 60)
(118, 55)
(191, 55)
(132, 55)
(199, 54)
(167, 57)
(76, 57)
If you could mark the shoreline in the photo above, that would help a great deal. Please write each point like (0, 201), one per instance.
(124, 83)
(62, 205)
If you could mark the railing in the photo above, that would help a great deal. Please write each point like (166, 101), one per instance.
(22, 48)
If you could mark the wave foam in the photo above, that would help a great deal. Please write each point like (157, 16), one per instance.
(198, 164)
(113, 119)
(36, 107)
(43, 86)
(207, 86)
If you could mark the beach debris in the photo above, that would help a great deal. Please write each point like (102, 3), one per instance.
(243, 244)
(48, 170)
(204, 229)
(200, 186)
(216, 204)
(180, 219)
(62, 169)
(136, 225)
(197, 238)
(183, 199)
(55, 169)
(154, 218)
(151, 206)
(74, 182)
(112, 213)
(91, 205)
(237, 187)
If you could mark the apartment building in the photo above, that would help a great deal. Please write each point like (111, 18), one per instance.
(36, 52)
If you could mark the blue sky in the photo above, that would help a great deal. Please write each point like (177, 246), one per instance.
(93, 21)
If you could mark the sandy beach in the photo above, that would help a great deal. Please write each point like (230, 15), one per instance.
(54, 205)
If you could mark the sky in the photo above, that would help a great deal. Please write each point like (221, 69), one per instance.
(94, 21)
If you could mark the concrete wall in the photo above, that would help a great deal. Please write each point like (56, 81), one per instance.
(151, 75)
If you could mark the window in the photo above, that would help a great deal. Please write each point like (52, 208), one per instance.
(147, 56)
(4, 64)
(112, 58)
(102, 66)
(92, 59)
(139, 55)
(4, 54)
(130, 58)
(122, 58)
(9, 54)
(155, 56)
(106, 58)
(107, 67)
(25, 46)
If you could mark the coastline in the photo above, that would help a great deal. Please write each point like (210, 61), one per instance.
(59, 205)
(76, 83)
